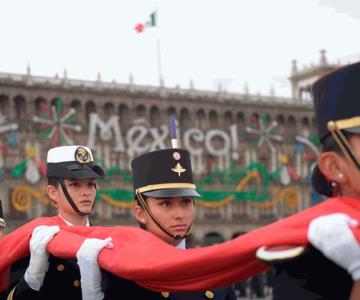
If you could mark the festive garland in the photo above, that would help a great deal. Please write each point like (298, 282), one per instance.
(118, 198)
(22, 196)
(263, 133)
(254, 173)
(111, 172)
(232, 176)
(57, 123)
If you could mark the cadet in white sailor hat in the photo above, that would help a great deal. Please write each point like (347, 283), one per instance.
(72, 175)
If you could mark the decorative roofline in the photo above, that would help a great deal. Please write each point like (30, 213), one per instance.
(131, 88)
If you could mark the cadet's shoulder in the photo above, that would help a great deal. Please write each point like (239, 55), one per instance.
(279, 253)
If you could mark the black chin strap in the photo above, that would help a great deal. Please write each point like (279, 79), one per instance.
(71, 202)
(343, 143)
(176, 237)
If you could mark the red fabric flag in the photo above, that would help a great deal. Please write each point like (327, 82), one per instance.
(138, 255)
(139, 27)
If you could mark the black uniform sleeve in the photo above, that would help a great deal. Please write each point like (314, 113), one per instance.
(18, 288)
(23, 291)
(62, 281)
(230, 293)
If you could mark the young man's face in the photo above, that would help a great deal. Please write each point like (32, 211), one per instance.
(175, 214)
(82, 192)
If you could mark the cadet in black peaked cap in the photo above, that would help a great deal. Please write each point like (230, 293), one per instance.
(165, 194)
(329, 270)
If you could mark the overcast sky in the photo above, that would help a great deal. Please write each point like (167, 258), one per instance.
(207, 41)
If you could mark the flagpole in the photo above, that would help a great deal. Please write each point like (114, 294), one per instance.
(158, 48)
(159, 59)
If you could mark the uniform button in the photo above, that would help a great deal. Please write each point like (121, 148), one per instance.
(165, 294)
(60, 267)
(76, 283)
(209, 295)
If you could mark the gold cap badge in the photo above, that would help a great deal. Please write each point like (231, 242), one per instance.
(82, 156)
(178, 169)
(176, 155)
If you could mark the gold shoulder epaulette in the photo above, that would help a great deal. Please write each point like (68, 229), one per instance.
(271, 254)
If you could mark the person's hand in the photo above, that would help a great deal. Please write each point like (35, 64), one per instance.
(87, 256)
(332, 235)
(39, 257)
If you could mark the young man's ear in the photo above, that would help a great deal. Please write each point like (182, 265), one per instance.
(52, 193)
(140, 214)
(332, 166)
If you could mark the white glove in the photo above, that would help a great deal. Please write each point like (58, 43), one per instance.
(87, 256)
(39, 257)
(331, 234)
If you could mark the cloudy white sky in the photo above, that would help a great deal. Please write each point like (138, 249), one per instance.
(207, 41)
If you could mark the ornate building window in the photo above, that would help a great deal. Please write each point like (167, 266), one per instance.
(185, 118)
(305, 122)
(90, 107)
(228, 119)
(200, 119)
(155, 117)
(123, 111)
(291, 122)
(20, 107)
(39, 102)
(4, 104)
(213, 118)
(108, 109)
(141, 111)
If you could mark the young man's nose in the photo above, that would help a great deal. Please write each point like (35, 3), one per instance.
(179, 211)
(85, 190)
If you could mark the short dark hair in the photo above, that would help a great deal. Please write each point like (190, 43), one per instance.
(329, 144)
(138, 201)
(54, 181)
(319, 182)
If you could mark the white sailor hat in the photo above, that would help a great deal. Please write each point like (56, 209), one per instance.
(72, 162)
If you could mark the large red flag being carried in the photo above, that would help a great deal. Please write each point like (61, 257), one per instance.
(138, 255)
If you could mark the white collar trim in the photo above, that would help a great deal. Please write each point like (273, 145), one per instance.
(182, 244)
(70, 224)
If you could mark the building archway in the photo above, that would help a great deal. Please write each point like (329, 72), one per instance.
(19, 106)
(4, 104)
(200, 117)
(90, 107)
(213, 118)
(123, 112)
(108, 109)
(185, 118)
(155, 117)
(39, 103)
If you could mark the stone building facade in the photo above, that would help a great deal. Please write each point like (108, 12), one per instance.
(252, 155)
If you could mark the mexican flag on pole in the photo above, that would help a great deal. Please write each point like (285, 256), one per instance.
(151, 22)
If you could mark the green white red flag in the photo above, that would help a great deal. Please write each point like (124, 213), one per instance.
(150, 22)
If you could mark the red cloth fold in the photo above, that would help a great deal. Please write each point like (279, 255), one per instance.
(138, 255)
